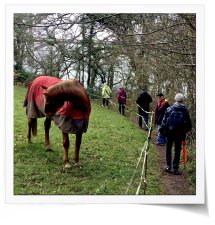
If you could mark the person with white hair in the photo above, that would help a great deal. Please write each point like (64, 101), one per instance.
(175, 124)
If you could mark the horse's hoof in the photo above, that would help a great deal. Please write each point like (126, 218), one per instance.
(49, 150)
(67, 166)
(77, 165)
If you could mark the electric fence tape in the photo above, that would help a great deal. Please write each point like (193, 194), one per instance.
(144, 165)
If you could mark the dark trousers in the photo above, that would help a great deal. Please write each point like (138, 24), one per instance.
(177, 140)
(122, 109)
(105, 102)
(142, 116)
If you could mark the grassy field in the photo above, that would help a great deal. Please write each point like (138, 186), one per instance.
(109, 153)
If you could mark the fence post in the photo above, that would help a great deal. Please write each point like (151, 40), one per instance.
(147, 148)
(144, 167)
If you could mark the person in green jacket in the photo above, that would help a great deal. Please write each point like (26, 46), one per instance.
(106, 92)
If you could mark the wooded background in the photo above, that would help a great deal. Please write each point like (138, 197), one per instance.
(157, 51)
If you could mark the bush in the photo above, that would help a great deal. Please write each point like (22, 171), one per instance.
(23, 76)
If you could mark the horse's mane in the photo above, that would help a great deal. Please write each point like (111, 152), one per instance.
(70, 90)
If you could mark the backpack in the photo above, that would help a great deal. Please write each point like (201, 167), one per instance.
(176, 120)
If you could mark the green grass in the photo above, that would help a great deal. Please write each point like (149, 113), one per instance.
(190, 171)
(109, 153)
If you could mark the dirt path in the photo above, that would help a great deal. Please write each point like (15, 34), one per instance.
(173, 184)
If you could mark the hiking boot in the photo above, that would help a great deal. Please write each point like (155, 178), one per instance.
(176, 172)
(168, 169)
(160, 144)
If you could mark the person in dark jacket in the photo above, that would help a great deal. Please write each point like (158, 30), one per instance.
(161, 106)
(122, 100)
(143, 102)
(176, 123)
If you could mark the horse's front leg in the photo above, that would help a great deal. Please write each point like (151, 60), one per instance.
(66, 150)
(47, 125)
(77, 148)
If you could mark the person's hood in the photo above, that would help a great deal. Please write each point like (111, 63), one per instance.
(178, 105)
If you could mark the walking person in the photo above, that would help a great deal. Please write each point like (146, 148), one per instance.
(122, 100)
(161, 106)
(143, 102)
(106, 93)
(176, 123)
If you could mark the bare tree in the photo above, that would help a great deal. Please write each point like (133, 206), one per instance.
(157, 50)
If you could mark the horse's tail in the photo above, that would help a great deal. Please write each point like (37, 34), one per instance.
(34, 126)
(25, 103)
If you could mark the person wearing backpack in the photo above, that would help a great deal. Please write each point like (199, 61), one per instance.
(176, 123)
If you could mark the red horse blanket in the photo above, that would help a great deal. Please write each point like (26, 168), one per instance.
(67, 118)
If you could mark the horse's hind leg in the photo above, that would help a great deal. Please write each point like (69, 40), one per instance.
(32, 128)
(66, 150)
(77, 148)
(29, 130)
(47, 125)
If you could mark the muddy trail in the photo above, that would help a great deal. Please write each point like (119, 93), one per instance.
(173, 184)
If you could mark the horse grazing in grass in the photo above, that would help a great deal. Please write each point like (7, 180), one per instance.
(64, 102)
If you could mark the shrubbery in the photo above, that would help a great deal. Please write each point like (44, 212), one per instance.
(23, 77)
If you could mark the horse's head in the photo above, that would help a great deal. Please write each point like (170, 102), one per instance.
(71, 91)
(52, 103)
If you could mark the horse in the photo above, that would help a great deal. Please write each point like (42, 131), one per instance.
(66, 103)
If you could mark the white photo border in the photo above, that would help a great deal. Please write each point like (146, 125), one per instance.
(199, 198)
